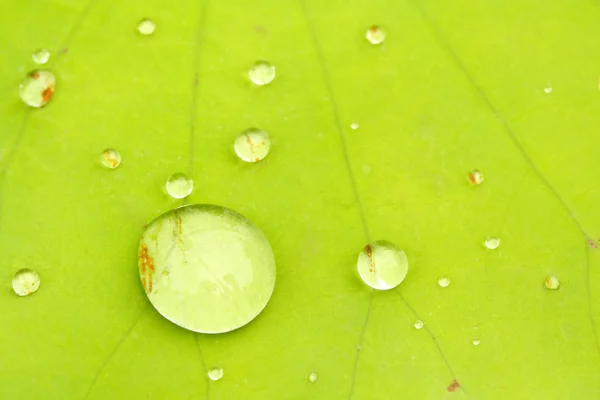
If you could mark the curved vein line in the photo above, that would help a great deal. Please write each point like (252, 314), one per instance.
(203, 364)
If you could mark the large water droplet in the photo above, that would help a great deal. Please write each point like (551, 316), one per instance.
(444, 281)
(552, 282)
(262, 72)
(110, 158)
(492, 242)
(206, 268)
(146, 27)
(382, 265)
(40, 56)
(179, 185)
(215, 374)
(25, 282)
(375, 34)
(312, 377)
(475, 177)
(252, 145)
(37, 88)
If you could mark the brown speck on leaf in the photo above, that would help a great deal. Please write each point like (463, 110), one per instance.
(453, 386)
(47, 94)
(146, 265)
(592, 243)
(369, 251)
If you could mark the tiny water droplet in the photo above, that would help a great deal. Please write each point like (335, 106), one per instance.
(419, 324)
(37, 88)
(215, 374)
(382, 265)
(40, 56)
(552, 282)
(492, 242)
(25, 282)
(354, 126)
(475, 177)
(375, 34)
(444, 281)
(312, 377)
(110, 158)
(146, 27)
(252, 145)
(476, 342)
(548, 90)
(262, 72)
(179, 185)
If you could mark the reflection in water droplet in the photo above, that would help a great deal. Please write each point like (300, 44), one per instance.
(179, 185)
(475, 177)
(375, 34)
(444, 281)
(41, 56)
(146, 27)
(492, 242)
(110, 158)
(354, 126)
(206, 268)
(419, 324)
(25, 282)
(252, 145)
(262, 72)
(476, 342)
(548, 90)
(382, 265)
(215, 374)
(37, 88)
(312, 377)
(552, 282)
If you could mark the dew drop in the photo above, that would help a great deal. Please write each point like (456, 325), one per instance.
(354, 126)
(476, 342)
(492, 242)
(40, 56)
(475, 177)
(179, 185)
(552, 282)
(146, 27)
(25, 282)
(37, 88)
(215, 374)
(252, 145)
(375, 34)
(548, 90)
(262, 72)
(312, 377)
(110, 158)
(444, 281)
(419, 324)
(220, 269)
(382, 265)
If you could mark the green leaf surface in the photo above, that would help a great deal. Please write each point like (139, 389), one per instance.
(457, 85)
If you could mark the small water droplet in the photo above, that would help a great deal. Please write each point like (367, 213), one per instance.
(354, 126)
(146, 27)
(382, 265)
(419, 324)
(25, 282)
(215, 374)
(552, 282)
(548, 90)
(252, 145)
(492, 242)
(262, 72)
(375, 34)
(476, 342)
(37, 88)
(444, 281)
(475, 177)
(312, 377)
(179, 185)
(40, 56)
(110, 158)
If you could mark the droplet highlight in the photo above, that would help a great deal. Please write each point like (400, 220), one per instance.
(262, 72)
(252, 145)
(179, 185)
(552, 282)
(382, 265)
(206, 268)
(40, 56)
(419, 324)
(444, 281)
(476, 342)
(146, 27)
(25, 282)
(215, 374)
(312, 377)
(110, 158)
(492, 242)
(375, 34)
(38, 88)
(354, 126)
(475, 177)
(548, 89)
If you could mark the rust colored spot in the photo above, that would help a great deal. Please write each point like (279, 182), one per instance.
(453, 386)
(35, 75)
(249, 141)
(47, 94)
(149, 285)
(144, 284)
(591, 243)
(146, 268)
(369, 251)
(472, 178)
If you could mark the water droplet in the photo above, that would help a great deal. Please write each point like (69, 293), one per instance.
(548, 90)
(476, 342)
(41, 56)
(215, 374)
(37, 88)
(146, 27)
(552, 282)
(220, 269)
(179, 185)
(444, 281)
(375, 34)
(492, 242)
(475, 177)
(110, 158)
(25, 282)
(262, 72)
(312, 377)
(419, 324)
(252, 145)
(382, 265)
(354, 126)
